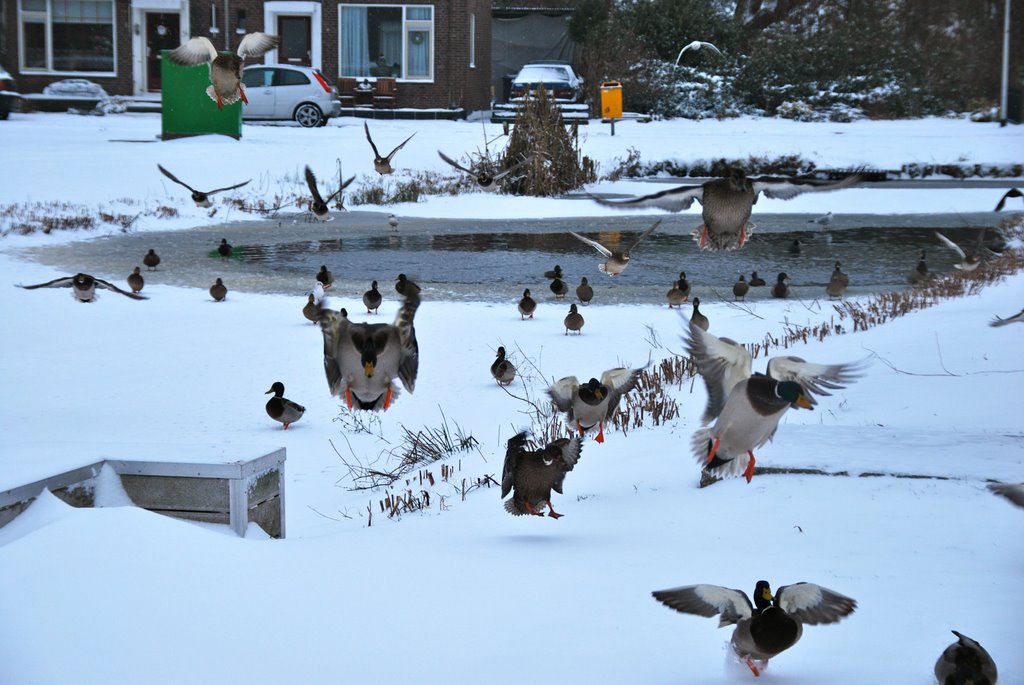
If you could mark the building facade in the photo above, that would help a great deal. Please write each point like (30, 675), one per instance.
(439, 52)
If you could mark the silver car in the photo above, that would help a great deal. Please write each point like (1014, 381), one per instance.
(285, 92)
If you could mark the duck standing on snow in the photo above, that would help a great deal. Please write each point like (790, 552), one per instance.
(502, 369)
(372, 298)
(594, 402)
(837, 283)
(531, 475)
(584, 291)
(573, 320)
(740, 288)
(200, 197)
(768, 626)
(218, 291)
(382, 165)
(559, 288)
(728, 203)
(527, 306)
(151, 260)
(311, 310)
(83, 287)
(225, 70)
(616, 262)
(281, 409)
(747, 408)
(698, 319)
(781, 288)
(675, 295)
(965, 662)
(135, 281)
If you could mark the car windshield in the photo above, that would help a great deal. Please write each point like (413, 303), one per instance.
(546, 74)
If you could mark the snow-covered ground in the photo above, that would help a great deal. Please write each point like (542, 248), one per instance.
(463, 592)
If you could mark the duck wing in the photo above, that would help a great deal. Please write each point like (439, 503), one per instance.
(399, 147)
(100, 283)
(62, 282)
(515, 446)
(1014, 493)
(1012, 192)
(721, 362)
(337, 192)
(368, 138)
(708, 600)
(338, 349)
(813, 604)
(593, 243)
(674, 199)
(788, 188)
(643, 236)
(618, 381)
(311, 182)
(256, 44)
(563, 392)
(221, 190)
(455, 164)
(196, 50)
(569, 450)
(177, 180)
(409, 350)
(816, 379)
(515, 167)
(951, 245)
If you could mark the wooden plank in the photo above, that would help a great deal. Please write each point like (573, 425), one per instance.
(269, 514)
(203, 516)
(173, 492)
(263, 486)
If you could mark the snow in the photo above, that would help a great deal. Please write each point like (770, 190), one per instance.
(465, 592)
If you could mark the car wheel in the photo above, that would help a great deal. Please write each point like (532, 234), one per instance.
(308, 115)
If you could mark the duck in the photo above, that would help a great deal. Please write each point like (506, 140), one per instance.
(151, 260)
(225, 70)
(698, 319)
(281, 409)
(502, 369)
(531, 475)
(559, 288)
(372, 298)
(755, 280)
(781, 289)
(393, 222)
(747, 407)
(675, 296)
(552, 274)
(996, 321)
(218, 291)
(527, 305)
(794, 247)
(965, 662)
(584, 291)
(83, 287)
(573, 320)
(594, 402)
(485, 180)
(837, 283)
(362, 361)
(201, 198)
(135, 281)
(318, 205)
(728, 202)
(224, 249)
(920, 275)
(382, 165)
(740, 288)
(968, 262)
(616, 262)
(311, 310)
(1012, 192)
(768, 626)
(404, 286)
(1011, 491)
(823, 220)
(324, 277)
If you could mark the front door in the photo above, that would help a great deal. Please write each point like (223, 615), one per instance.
(296, 40)
(162, 33)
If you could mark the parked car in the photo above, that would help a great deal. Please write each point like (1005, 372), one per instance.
(559, 79)
(10, 98)
(285, 92)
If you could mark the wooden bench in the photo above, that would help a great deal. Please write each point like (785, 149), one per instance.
(195, 487)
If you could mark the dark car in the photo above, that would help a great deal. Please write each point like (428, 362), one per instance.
(10, 98)
(560, 81)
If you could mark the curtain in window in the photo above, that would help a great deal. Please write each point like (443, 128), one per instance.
(355, 47)
(419, 54)
(391, 41)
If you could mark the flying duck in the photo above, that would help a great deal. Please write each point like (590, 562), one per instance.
(372, 298)
(1012, 192)
(527, 305)
(594, 402)
(1012, 492)
(728, 202)
(83, 287)
(382, 165)
(502, 369)
(1016, 318)
(968, 262)
(531, 475)
(768, 626)
(965, 662)
(225, 70)
(584, 291)
(200, 197)
(281, 409)
(484, 180)
(318, 205)
(616, 262)
(218, 291)
(573, 320)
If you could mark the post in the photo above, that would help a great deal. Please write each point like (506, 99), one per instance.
(1003, 114)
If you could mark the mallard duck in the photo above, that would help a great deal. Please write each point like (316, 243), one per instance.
(594, 402)
(311, 310)
(1016, 318)
(405, 287)
(531, 475)
(318, 205)
(362, 360)
(559, 288)
(794, 247)
(740, 288)
(781, 288)
(393, 222)
(920, 275)
(324, 277)
(965, 662)
(748, 407)
(573, 320)
(484, 180)
(135, 280)
(83, 287)
(382, 165)
(616, 262)
(372, 298)
(584, 291)
(218, 291)
(728, 202)
(527, 305)
(225, 70)
(502, 369)
(684, 286)
(281, 409)
(675, 295)
(200, 197)
(755, 280)
(1012, 492)
(968, 262)
(696, 317)
(224, 249)
(1012, 192)
(770, 625)
(837, 283)
(151, 260)
(552, 274)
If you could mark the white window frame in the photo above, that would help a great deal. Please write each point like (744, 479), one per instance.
(289, 8)
(47, 20)
(472, 41)
(407, 26)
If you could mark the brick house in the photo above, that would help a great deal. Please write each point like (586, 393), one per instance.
(440, 51)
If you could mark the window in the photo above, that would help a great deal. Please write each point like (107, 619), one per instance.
(258, 78)
(472, 41)
(67, 35)
(287, 77)
(386, 40)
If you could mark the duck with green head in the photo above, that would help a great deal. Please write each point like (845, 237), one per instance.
(282, 409)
